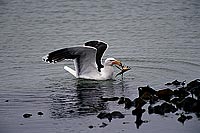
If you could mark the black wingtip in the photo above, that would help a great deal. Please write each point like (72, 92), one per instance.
(101, 48)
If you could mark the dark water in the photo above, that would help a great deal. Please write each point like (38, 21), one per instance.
(159, 40)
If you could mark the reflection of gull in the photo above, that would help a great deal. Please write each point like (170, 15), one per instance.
(87, 60)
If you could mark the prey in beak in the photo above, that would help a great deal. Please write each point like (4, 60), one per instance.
(117, 62)
(123, 69)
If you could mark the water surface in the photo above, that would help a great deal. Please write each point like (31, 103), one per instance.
(158, 39)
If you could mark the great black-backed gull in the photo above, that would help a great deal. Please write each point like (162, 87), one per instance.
(87, 60)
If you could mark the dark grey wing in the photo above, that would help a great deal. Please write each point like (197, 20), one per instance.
(60, 55)
(101, 48)
(84, 58)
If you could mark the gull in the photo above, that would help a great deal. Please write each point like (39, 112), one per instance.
(87, 60)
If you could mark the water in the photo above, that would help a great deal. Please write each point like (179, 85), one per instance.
(158, 39)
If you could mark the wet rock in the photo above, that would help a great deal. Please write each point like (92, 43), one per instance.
(109, 99)
(196, 92)
(176, 83)
(176, 100)
(156, 109)
(128, 103)
(139, 122)
(125, 122)
(197, 114)
(6, 100)
(103, 115)
(168, 83)
(165, 94)
(138, 112)
(117, 114)
(142, 90)
(110, 116)
(162, 109)
(193, 84)
(181, 93)
(91, 126)
(196, 106)
(167, 108)
(146, 96)
(187, 104)
(183, 118)
(40, 113)
(27, 115)
(194, 88)
(153, 100)
(138, 102)
(121, 100)
(103, 125)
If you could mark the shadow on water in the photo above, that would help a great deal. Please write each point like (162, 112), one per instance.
(80, 99)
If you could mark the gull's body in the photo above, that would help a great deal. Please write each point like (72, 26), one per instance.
(87, 60)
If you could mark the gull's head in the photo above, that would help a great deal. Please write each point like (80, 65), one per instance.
(112, 61)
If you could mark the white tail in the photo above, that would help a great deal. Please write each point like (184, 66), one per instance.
(70, 70)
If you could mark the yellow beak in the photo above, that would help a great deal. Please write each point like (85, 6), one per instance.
(116, 62)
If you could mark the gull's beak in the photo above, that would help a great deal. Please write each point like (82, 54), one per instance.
(116, 62)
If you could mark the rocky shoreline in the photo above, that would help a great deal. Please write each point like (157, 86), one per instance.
(182, 98)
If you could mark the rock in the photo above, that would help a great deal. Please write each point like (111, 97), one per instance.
(183, 118)
(187, 104)
(121, 100)
(196, 107)
(153, 100)
(175, 100)
(110, 116)
(197, 114)
(194, 87)
(156, 109)
(91, 126)
(117, 114)
(103, 125)
(196, 92)
(138, 111)
(168, 84)
(40, 113)
(27, 115)
(105, 115)
(125, 122)
(146, 96)
(102, 115)
(181, 93)
(110, 99)
(139, 122)
(193, 84)
(162, 109)
(167, 108)
(165, 94)
(142, 90)
(138, 102)
(176, 83)
(128, 103)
